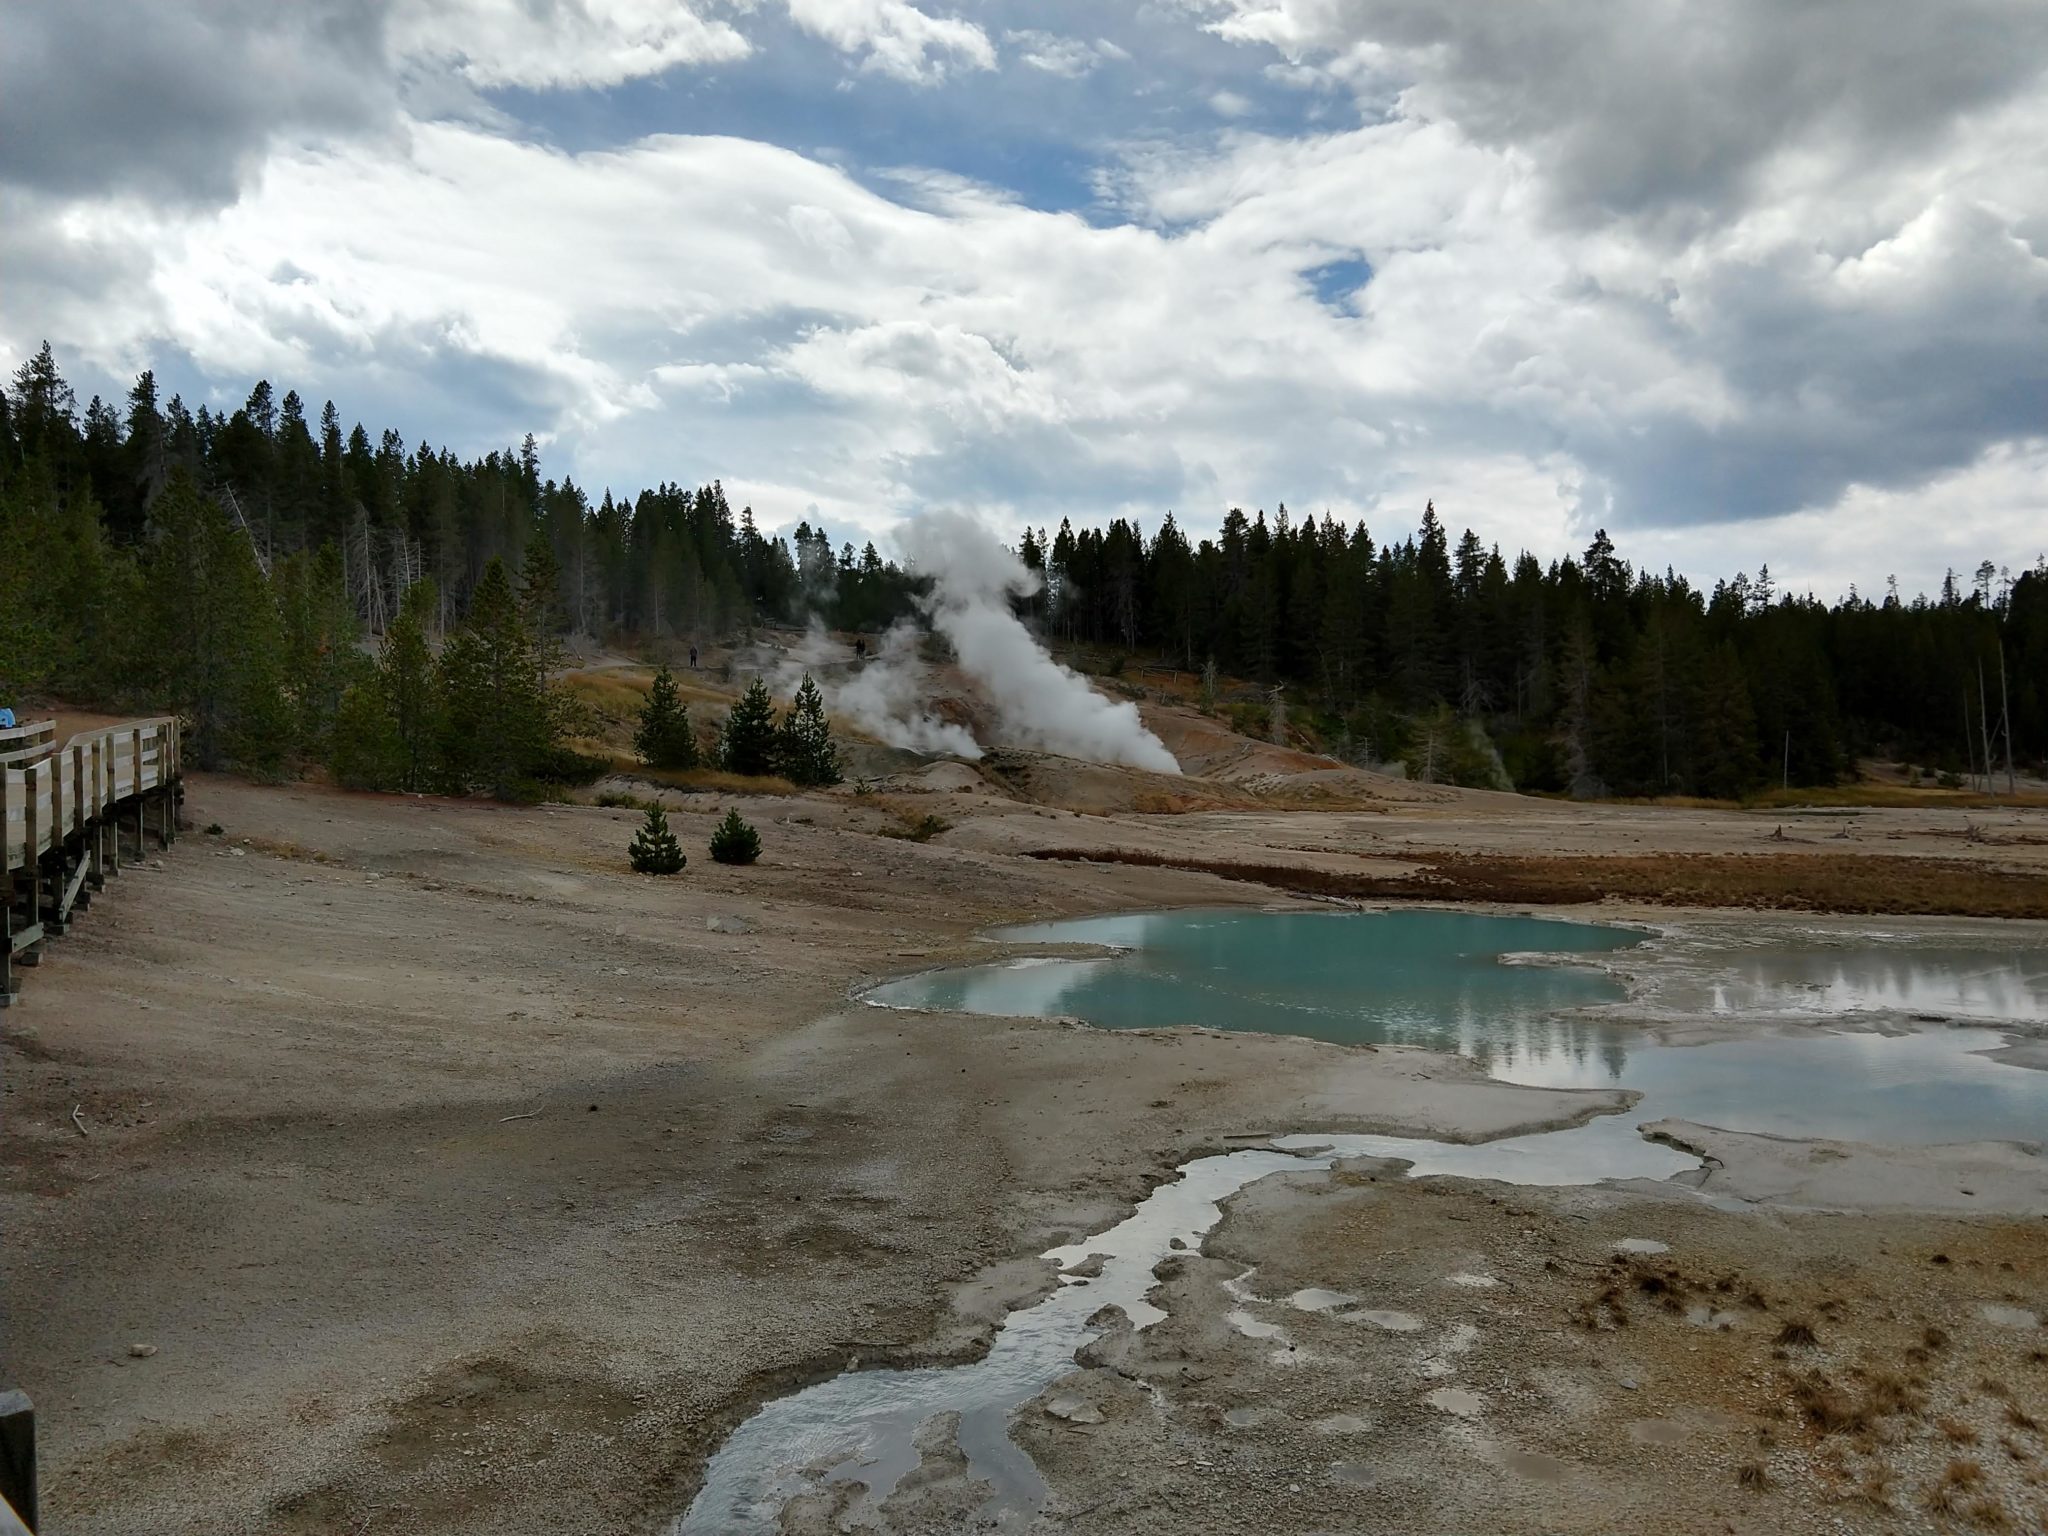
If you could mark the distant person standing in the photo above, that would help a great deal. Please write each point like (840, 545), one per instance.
(860, 650)
(693, 658)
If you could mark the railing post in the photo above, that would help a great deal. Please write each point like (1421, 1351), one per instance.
(96, 839)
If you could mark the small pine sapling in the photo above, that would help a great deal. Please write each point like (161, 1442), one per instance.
(748, 743)
(808, 754)
(664, 738)
(735, 842)
(655, 850)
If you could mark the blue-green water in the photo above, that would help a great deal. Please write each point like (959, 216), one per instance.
(1438, 980)
(1405, 978)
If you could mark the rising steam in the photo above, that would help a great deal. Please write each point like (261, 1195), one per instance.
(1034, 701)
(1037, 702)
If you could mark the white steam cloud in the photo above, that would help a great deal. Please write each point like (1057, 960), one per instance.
(1029, 699)
(886, 696)
(1037, 702)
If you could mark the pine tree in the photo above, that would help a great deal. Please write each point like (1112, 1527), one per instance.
(654, 850)
(805, 748)
(733, 841)
(497, 722)
(411, 686)
(540, 590)
(664, 738)
(748, 743)
(321, 658)
(366, 752)
(211, 634)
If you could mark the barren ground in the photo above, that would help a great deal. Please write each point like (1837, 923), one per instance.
(453, 1179)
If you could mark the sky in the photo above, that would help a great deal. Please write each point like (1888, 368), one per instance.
(1742, 281)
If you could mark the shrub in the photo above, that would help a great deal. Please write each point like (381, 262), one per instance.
(655, 850)
(735, 842)
(919, 829)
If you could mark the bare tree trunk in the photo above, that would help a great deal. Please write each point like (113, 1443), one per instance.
(2005, 722)
(1984, 728)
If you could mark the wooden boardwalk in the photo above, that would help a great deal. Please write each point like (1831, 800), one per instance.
(66, 816)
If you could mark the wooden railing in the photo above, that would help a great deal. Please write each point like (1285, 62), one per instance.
(25, 743)
(64, 814)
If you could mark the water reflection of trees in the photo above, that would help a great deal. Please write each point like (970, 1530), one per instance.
(1524, 1046)
(1973, 983)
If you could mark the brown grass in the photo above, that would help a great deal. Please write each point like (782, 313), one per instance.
(713, 781)
(1751, 1475)
(1828, 1408)
(1855, 883)
(1988, 1513)
(1796, 1333)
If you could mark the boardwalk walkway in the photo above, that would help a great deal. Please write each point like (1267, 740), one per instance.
(67, 814)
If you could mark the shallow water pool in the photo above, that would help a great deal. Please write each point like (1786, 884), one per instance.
(1494, 988)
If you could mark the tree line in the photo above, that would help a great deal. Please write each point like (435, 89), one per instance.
(236, 565)
(1586, 675)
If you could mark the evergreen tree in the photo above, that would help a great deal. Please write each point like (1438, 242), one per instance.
(540, 591)
(498, 724)
(320, 658)
(654, 849)
(212, 636)
(664, 738)
(366, 752)
(749, 742)
(411, 687)
(733, 841)
(806, 752)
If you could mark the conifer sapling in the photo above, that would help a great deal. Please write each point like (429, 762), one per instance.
(664, 738)
(654, 850)
(735, 842)
(748, 743)
(806, 749)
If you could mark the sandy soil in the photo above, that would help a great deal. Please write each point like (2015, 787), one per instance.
(436, 1171)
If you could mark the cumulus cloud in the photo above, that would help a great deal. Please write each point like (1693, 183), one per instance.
(569, 43)
(180, 102)
(1724, 265)
(1653, 106)
(894, 37)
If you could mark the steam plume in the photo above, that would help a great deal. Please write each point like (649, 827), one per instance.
(1037, 702)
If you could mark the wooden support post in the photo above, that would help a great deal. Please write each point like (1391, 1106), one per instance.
(7, 981)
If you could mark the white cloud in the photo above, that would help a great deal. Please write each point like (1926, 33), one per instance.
(569, 43)
(1810, 348)
(895, 38)
(1071, 58)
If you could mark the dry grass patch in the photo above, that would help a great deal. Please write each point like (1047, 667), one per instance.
(1809, 882)
(705, 781)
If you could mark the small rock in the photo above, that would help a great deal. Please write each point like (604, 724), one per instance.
(1074, 1410)
(141, 1351)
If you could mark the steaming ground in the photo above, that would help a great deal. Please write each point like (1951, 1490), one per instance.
(1031, 700)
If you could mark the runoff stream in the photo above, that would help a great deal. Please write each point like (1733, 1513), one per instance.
(1532, 1000)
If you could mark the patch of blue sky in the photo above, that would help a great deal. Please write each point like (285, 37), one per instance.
(1338, 283)
(1041, 136)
